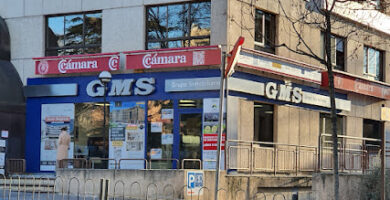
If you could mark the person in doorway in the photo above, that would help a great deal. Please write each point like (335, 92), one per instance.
(63, 146)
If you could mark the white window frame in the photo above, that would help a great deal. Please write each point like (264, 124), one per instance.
(369, 75)
(263, 31)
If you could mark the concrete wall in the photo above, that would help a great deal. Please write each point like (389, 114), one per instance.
(123, 25)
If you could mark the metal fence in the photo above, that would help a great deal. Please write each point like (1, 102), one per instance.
(356, 154)
(66, 188)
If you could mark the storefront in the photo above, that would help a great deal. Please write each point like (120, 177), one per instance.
(162, 117)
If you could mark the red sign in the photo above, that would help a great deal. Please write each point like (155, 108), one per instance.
(357, 85)
(167, 58)
(77, 63)
(210, 141)
(232, 59)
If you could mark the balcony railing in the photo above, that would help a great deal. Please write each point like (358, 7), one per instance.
(355, 155)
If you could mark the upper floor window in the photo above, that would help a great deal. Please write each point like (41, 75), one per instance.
(336, 51)
(372, 67)
(74, 34)
(265, 31)
(178, 25)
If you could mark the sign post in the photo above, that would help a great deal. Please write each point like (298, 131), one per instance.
(225, 72)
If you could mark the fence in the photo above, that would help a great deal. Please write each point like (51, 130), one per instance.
(61, 188)
(355, 155)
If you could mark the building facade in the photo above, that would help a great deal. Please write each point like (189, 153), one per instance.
(277, 104)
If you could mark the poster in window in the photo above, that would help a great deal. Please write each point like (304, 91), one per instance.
(53, 118)
(210, 133)
(156, 127)
(2, 160)
(127, 127)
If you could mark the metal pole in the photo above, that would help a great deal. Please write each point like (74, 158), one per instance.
(221, 97)
(383, 163)
(104, 115)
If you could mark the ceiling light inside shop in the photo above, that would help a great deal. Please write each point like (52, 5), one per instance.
(187, 105)
(186, 101)
(102, 104)
(269, 112)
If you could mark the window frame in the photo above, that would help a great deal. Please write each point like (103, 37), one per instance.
(83, 46)
(366, 63)
(188, 25)
(334, 50)
(263, 45)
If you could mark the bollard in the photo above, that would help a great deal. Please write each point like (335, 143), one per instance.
(104, 186)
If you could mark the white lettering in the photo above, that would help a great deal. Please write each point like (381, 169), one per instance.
(95, 89)
(144, 86)
(121, 87)
(148, 60)
(284, 93)
(270, 90)
(65, 65)
(297, 95)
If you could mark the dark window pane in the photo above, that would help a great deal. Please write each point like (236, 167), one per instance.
(73, 30)
(59, 52)
(93, 28)
(259, 26)
(339, 54)
(177, 20)
(269, 30)
(73, 51)
(200, 19)
(157, 22)
(55, 31)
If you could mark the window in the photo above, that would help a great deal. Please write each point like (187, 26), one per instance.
(337, 50)
(264, 122)
(178, 25)
(74, 34)
(326, 128)
(264, 31)
(372, 67)
(372, 129)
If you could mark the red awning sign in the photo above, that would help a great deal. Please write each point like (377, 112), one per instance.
(357, 85)
(77, 63)
(168, 58)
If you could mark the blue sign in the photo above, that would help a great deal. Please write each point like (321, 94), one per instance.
(194, 182)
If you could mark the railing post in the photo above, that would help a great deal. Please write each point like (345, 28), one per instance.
(104, 189)
(296, 160)
(275, 154)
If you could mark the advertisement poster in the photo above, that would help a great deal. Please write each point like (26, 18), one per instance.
(127, 134)
(54, 117)
(210, 134)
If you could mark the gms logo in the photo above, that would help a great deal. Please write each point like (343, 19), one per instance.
(194, 182)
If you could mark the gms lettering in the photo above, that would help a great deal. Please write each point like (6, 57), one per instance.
(153, 59)
(64, 65)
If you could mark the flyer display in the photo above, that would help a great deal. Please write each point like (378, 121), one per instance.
(127, 134)
(54, 117)
(210, 134)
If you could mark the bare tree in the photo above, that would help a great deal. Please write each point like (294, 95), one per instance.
(328, 16)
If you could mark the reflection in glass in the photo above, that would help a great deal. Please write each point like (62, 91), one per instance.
(73, 30)
(190, 138)
(74, 34)
(171, 26)
(160, 133)
(55, 31)
(90, 138)
(93, 29)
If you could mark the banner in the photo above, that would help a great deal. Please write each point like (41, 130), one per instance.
(127, 134)
(167, 58)
(210, 134)
(53, 118)
(77, 64)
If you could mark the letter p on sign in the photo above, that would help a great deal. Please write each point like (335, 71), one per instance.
(194, 183)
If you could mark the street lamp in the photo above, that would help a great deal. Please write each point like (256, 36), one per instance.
(104, 77)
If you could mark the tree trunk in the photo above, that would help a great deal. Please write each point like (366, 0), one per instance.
(332, 105)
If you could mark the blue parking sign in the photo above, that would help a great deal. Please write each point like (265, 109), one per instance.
(194, 182)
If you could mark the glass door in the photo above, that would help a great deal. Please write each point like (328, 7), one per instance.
(190, 139)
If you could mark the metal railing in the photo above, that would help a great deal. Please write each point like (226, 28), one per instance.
(251, 156)
(356, 154)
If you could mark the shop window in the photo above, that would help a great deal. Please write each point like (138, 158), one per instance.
(265, 31)
(74, 34)
(372, 129)
(190, 138)
(326, 128)
(91, 140)
(337, 51)
(372, 67)
(178, 25)
(264, 122)
(160, 133)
